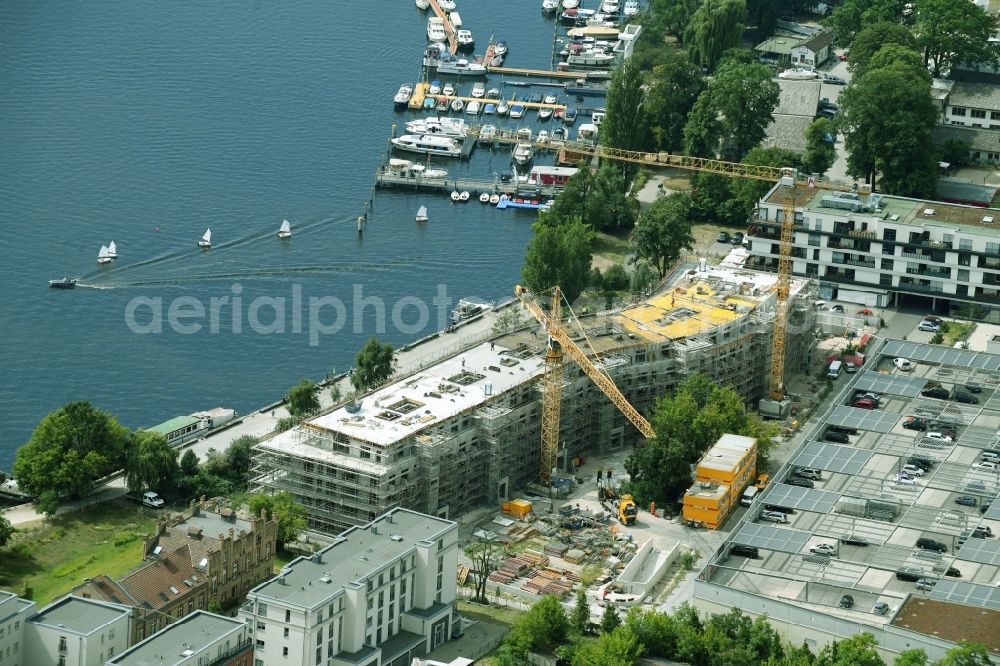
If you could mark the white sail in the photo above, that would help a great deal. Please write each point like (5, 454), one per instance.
(285, 227)
(103, 254)
(208, 236)
(422, 214)
(112, 250)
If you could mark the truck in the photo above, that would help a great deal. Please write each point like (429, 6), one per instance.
(148, 498)
(627, 510)
(749, 495)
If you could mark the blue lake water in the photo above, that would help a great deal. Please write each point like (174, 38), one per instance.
(145, 122)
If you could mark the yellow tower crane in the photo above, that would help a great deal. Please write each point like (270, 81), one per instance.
(559, 341)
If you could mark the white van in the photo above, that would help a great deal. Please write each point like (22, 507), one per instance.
(749, 495)
(835, 369)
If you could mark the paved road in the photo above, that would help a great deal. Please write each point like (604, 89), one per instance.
(262, 422)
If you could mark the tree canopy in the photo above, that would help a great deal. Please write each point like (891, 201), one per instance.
(70, 449)
(290, 516)
(673, 88)
(821, 151)
(745, 192)
(850, 17)
(715, 27)
(873, 37)
(302, 398)
(664, 231)
(559, 255)
(624, 124)
(151, 462)
(373, 364)
(888, 116)
(6, 530)
(952, 32)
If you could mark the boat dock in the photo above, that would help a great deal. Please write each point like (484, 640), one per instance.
(549, 74)
(483, 101)
(449, 29)
(385, 178)
(419, 94)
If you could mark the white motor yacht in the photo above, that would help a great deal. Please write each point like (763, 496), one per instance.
(449, 89)
(403, 96)
(550, 6)
(631, 7)
(610, 6)
(465, 40)
(523, 153)
(434, 88)
(798, 74)
(435, 29)
(478, 89)
(442, 126)
(503, 108)
(593, 58)
(570, 4)
(447, 5)
(461, 67)
(423, 4)
(473, 108)
(428, 144)
(487, 133)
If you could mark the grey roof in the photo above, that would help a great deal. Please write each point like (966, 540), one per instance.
(978, 138)
(993, 513)
(780, 44)
(820, 40)
(11, 605)
(787, 131)
(772, 538)
(967, 593)
(957, 190)
(196, 631)
(984, 551)
(864, 419)
(79, 615)
(833, 458)
(429, 612)
(356, 554)
(975, 95)
(212, 524)
(798, 98)
(796, 497)
(902, 385)
(943, 355)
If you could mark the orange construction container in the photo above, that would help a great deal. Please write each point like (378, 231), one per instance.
(518, 507)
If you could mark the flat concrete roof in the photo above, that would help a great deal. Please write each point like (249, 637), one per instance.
(356, 554)
(79, 615)
(166, 647)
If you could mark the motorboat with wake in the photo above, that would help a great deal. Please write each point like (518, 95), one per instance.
(466, 309)
(65, 283)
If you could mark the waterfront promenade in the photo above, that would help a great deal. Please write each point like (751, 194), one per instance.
(261, 422)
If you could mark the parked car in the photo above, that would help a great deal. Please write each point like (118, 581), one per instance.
(913, 470)
(929, 326)
(904, 479)
(824, 549)
(864, 403)
(923, 463)
(909, 574)
(723, 237)
(985, 507)
(982, 531)
(809, 473)
(834, 436)
(854, 540)
(772, 516)
(902, 363)
(973, 387)
(847, 601)
(934, 319)
(986, 465)
(837, 308)
(778, 508)
(880, 608)
(846, 431)
(939, 424)
(965, 398)
(986, 456)
(744, 551)
(952, 572)
(935, 392)
(850, 367)
(868, 395)
(833, 80)
(918, 423)
(926, 584)
(842, 57)
(940, 436)
(966, 500)
(801, 483)
(931, 544)
(737, 239)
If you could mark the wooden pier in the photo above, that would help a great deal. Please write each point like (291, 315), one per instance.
(518, 71)
(449, 29)
(384, 178)
(419, 94)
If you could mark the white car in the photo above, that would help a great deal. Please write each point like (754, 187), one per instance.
(940, 436)
(823, 549)
(986, 465)
(904, 480)
(913, 470)
(902, 363)
(929, 326)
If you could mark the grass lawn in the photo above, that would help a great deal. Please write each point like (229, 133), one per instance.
(496, 613)
(54, 556)
(953, 331)
(610, 249)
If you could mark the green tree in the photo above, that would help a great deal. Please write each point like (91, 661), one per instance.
(703, 129)
(302, 398)
(609, 201)
(543, 628)
(620, 647)
(712, 200)
(915, 657)
(965, 654)
(373, 364)
(672, 16)
(951, 32)
(745, 96)
(6, 530)
(888, 116)
(849, 18)
(624, 125)
(821, 151)
(289, 515)
(664, 231)
(641, 279)
(956, 152)
(189, 463)
(151, 463)
(717, 25)
(70, 449)
(745, 192)
(580, 619)
(47, 503)
(897, 58)
(656, 631)
(237, 459)
(858, 650)
(610, 619)
(672, 89)
(872, 38)
(486, 556)
(559, 255)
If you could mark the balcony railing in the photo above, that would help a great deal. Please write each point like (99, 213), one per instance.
(933, 272)
(858, 233)
(857, 262)
(930, 289)
(914, 255)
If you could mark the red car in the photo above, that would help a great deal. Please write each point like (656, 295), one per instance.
(864, 403)
(842, 57)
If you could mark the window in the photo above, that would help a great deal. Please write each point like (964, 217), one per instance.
(965, 244)
(284, 652)
(258, 662)
(111, 634)
(319, 655)
(62, 660)
(260, 626)
(977, 113)
(887, 264)
(957, 111)
(889, 234)
(260, 644)
(62, 643)
(885, 280)
(262, 610)
(993, 248)
(319, 637)
(963, 275)
(285, 633)
(288, 616)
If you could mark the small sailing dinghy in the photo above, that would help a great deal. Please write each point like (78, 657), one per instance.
(422, 214)
(103, 257)
(285, 231)
(484, 197)
(206, 240)
(455, 195)
(464, 195)
(112, 250)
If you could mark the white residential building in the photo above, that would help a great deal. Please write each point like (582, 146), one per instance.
(380, 594)
(198, 639)
(973, 105)
(876, 249)
(77, 632)
(14, 612)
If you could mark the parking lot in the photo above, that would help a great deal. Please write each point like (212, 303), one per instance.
(852, 524)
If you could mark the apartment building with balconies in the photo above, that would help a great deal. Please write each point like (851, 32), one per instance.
(881, 250)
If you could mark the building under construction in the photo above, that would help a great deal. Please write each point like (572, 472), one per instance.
(466, 431)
